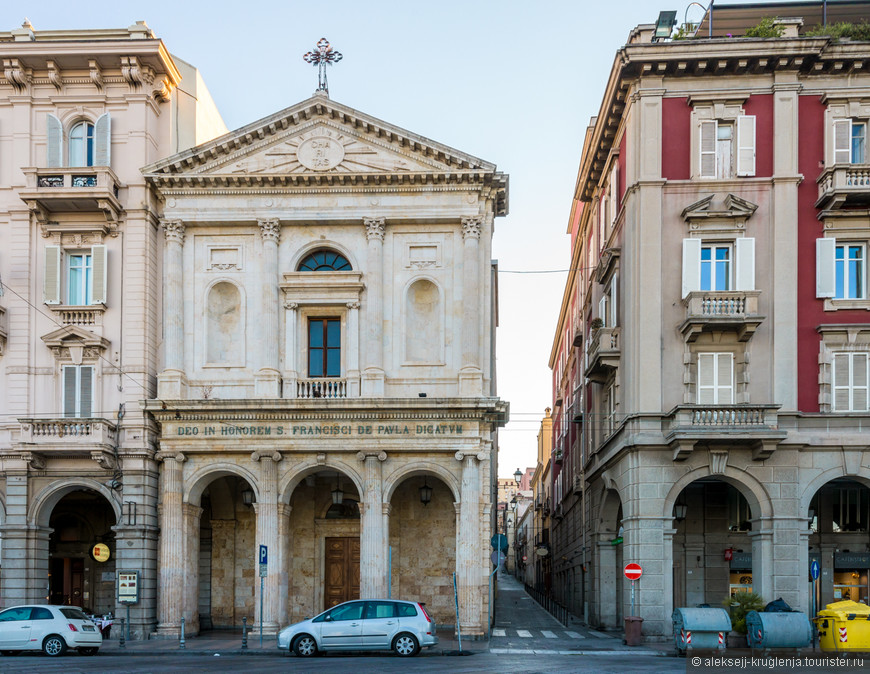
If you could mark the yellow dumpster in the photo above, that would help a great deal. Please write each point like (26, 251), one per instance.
(844, 626)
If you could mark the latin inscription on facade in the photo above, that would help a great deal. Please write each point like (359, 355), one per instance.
(314, 430)
(320, 153)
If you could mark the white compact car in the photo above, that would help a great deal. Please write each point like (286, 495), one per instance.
(52, 629)
(363, 625)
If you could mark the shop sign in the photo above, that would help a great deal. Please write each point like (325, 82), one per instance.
(128, 587)
(851, 560)
(100, 552)
(741, 560)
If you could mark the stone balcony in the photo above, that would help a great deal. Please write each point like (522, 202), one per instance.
(69, 437)
(83, 189)
(844, 184)
(602, 354)
(688, 427)
(90, 315)
(321, 388)
(734, 310)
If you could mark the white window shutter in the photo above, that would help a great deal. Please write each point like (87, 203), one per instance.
(706, 378)
(69, 390)
(725, 378)
(51, 277)
(842, 141)
(842, 399)
(54, 142)
(744, 264)
(825, 271)
(860, 381)
(602, 310)
(103, 140)
(708, 149)
(614, 194)
(746, 145)
(98, 274)
(614, 307)
(691, 266)
(86, 390)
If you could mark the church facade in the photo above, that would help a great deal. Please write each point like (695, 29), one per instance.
(326, 407)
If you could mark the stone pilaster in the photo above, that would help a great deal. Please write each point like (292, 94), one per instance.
(285, 545)
(171, 383)
(267, 381)
(172, 548)
(471, 376)
(469, 551)
(353, 349)
(291, 318)
(605, 570)
(266, 509)
(373, 374)
(190, 610)
(373, 554)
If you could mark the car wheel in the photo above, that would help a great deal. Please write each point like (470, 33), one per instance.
(54, 646)
(92, 650)
(405, 645)
(305, 646)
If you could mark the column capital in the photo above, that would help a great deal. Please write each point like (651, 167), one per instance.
(275, 456)
(270, 229)
(375, 228)
(352, 305)
(380, 456)
(191, 510)
(471, 227)
(290, 305)
(173, 230)
(386, 509)
(460, 455)
(166, 456)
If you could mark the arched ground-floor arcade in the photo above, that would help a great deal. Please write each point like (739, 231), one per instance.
(720, 522)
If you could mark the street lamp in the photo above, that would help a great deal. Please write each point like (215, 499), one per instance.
(518, 475)
(337, 493)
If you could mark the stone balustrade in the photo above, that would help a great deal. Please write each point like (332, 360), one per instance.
(321, 388)
(843, 182)
(83, 431)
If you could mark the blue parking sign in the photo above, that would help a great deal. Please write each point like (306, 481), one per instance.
(264, 554)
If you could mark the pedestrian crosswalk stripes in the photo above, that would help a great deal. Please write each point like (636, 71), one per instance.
(501, 632)
(498, 633)
(574, 635)
(548, 635)
(525, 634)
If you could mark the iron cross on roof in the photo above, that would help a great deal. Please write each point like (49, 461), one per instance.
(322, 57)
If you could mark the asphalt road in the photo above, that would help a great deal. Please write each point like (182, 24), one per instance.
(479, 662)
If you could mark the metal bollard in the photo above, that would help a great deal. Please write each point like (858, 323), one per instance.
(245, 633)
(123, 642)
(181, 643)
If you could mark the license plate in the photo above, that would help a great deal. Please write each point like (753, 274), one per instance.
(88, 628)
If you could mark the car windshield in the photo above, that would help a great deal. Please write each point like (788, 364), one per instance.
(74, 614)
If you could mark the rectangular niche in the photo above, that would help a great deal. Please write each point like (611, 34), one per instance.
(224, 258)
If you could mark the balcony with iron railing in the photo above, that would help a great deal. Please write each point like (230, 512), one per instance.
(72, 189)
(844, 184)
(733, 310)
(602, 354)
(740, 425)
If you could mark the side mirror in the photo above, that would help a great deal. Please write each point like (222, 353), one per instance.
(327, 619)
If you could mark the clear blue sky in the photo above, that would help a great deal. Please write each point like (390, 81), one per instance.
(512, 82)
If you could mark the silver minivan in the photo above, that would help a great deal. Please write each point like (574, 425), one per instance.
(363, 625)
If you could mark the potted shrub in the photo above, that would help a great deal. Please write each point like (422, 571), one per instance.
(596, 325)
(738, 605)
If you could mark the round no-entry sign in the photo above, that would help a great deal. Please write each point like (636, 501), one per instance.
(633, 571)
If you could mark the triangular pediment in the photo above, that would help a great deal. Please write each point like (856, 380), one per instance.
(317, 137)
(730, 206)
(72, 335)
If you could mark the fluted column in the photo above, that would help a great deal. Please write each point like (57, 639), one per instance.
(171, 382)
(190, 610)
(266, 509)
(373, 377)
(386, 509)
(353, 349)
(471, 380)
(291, 316)
(172, 550)
(285, 547)
(468, 550)
(373, 557)
(268, 379)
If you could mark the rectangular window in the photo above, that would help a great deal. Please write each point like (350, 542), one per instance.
(849, 266)
(715, 267)
(726, 144)
(724, 150)
(859, 142)
(851, 375)
(850, 141)
(78, 390)
(324, 347)
(715, 378)
(79, 279)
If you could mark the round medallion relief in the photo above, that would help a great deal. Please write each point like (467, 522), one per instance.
(320, 153)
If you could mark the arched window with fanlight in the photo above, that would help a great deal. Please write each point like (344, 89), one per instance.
(324, 260)
(81, 144)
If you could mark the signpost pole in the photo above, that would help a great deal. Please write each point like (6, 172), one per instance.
(264, 560)
(632, 597)
(815, 569)
(261, 610)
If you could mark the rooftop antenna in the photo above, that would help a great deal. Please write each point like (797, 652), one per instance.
(323, 56)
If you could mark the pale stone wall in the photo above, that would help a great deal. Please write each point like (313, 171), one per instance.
(424, 556)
